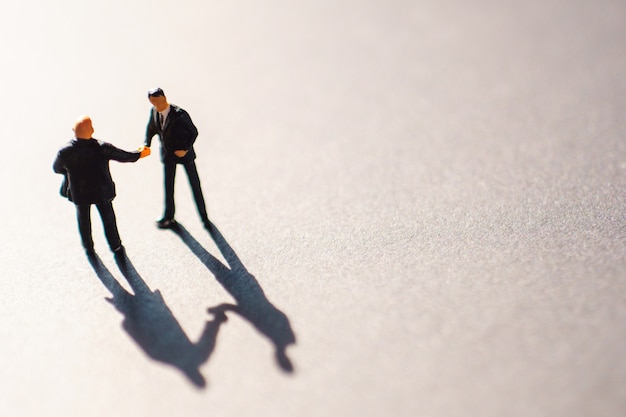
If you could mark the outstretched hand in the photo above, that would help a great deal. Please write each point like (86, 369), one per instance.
(145, 151)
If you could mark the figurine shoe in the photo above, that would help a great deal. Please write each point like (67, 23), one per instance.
(165, 223)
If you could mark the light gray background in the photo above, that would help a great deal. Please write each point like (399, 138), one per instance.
(431, 192)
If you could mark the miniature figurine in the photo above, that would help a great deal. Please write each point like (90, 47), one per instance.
(178, 134)
(84, 161)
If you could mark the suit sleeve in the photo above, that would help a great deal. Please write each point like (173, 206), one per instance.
(151, 129)
(58, 166)
(116, 154)
(186, 132)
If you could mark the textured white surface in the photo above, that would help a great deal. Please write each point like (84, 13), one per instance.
(432, 192)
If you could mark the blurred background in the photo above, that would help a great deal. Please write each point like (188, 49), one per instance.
(425, 197)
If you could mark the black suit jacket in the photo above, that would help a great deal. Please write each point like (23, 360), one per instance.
(179, 133)
(85, 164)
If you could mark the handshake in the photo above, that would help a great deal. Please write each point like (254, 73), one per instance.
(144, 151)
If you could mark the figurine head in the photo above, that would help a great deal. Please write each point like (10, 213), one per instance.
(83, 128)
(157, 99)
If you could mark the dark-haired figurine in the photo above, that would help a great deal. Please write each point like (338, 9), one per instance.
(84, 162)
(178, 134)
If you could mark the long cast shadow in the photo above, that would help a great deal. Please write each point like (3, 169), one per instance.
(252, 304)
(151, 324)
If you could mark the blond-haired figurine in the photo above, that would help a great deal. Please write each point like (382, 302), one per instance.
(84, 161)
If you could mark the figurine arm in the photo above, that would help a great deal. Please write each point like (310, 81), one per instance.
(186, 133)
(191, 132)
(151, 130)
(58, 165)
(120, 155)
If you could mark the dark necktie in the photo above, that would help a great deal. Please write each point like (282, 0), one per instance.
(160, 117)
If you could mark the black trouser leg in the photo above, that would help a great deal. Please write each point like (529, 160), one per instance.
(83, 214)
(110, 225)
(194, 182)
(169, 174)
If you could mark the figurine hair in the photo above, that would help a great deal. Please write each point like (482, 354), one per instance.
(156, 92)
